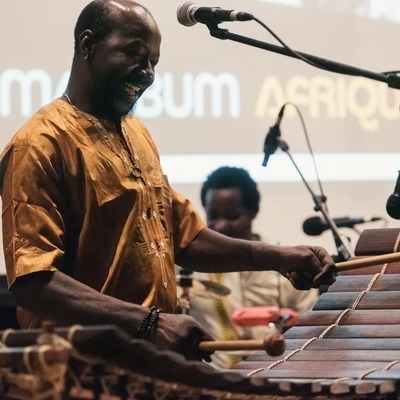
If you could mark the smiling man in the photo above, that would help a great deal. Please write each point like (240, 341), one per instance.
(91, 227)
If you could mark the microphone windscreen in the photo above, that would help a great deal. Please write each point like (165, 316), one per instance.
(313, 226)
(183, 14)
(393, 206)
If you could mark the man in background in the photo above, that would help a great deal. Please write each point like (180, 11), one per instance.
(231, 200)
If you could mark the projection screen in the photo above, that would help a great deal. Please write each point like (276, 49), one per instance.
(213, 101)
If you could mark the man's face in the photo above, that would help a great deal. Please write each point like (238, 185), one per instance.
(226, 214)
(123, 65)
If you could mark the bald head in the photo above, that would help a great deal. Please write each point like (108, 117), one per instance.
(117, 47)
(101, 17)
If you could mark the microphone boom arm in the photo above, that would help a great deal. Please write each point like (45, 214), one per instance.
(391, 80)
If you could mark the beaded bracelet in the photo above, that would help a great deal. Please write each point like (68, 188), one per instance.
(148, 324)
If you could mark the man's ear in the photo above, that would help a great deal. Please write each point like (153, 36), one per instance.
(87, 43)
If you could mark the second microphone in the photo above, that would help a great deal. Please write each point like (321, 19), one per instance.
(314, 226)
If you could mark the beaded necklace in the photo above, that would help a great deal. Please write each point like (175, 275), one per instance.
(131, 162)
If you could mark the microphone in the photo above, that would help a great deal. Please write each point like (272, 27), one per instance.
(314, 226)
(271, 142)
(393, 202)
(189, 14)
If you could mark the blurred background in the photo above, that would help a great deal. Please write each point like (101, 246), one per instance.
(214, 101)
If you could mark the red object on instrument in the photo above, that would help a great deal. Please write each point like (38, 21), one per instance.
(263, 315)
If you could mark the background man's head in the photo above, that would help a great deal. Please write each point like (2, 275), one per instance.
(231, 201)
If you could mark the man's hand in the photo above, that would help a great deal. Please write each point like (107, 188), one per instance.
(307, 267)
(181, 333)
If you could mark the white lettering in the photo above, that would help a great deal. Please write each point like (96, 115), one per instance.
(164, 96)
(150, 105)
(25, 81)
(322, 92)
(272, 91)
(187, 97)
(158, 99)
(219, 95)
(216, 85)
(334, 97)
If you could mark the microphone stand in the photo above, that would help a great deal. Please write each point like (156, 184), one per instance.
(392, 80)
(343, 248)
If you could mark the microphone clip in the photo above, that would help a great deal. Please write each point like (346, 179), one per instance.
(393, 202)
(271, 143)
(273, 139)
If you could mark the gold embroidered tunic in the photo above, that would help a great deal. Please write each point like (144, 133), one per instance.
(70, 203)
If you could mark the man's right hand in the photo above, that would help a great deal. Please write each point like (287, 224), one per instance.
(181, 333)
